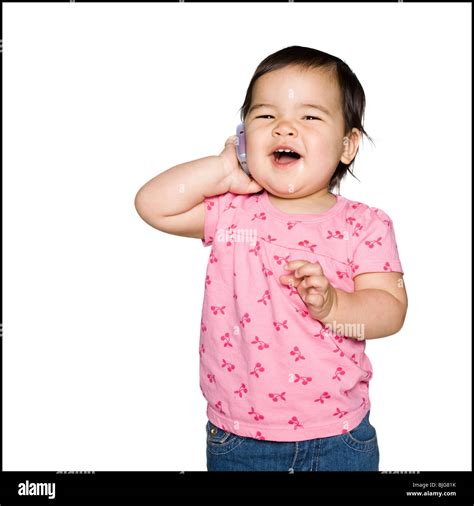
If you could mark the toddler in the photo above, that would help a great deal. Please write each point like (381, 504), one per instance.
(298, 276)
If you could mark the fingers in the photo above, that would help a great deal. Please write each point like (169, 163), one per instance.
(309, 284)
(312, 285)
(308, 269)
(231, 140)
(294, 264)
(316, 300)
(302, 269)
(316, 283)
(289, 279)
(312, 290)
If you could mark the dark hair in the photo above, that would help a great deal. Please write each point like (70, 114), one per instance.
(352, 93)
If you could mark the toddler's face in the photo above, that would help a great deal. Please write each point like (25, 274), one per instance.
(316, 135)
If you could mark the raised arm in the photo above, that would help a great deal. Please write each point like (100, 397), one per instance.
(173, 201)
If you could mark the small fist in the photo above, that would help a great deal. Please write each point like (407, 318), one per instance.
(313, 287)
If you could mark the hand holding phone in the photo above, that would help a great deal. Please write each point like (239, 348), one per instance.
(238, 176)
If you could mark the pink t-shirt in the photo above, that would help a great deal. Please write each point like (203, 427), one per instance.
(268, 370)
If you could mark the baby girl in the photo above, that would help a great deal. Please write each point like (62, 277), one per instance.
(299, 277)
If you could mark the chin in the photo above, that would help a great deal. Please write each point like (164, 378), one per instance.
(282, 190)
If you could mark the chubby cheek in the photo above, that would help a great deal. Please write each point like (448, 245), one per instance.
(255, 147)
(320, 167)
(257, 160)
(323, 159)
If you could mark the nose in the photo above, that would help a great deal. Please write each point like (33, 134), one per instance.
(283, 129)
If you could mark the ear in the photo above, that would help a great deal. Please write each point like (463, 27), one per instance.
(350, 147)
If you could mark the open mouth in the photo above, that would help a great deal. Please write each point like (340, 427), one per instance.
(285, 157)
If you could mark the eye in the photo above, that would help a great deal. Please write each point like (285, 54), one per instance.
(270, 116)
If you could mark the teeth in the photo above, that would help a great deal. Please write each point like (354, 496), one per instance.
(284, 151)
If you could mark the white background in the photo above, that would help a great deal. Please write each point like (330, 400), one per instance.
(102, 312)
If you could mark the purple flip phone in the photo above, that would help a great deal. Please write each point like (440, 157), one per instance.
(241, 148)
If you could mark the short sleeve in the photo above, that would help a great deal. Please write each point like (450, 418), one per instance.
(374, 247)
(214, 208)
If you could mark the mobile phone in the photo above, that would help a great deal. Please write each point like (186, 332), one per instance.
(241, 149)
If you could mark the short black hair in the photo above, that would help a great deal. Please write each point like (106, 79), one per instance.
(352, 93)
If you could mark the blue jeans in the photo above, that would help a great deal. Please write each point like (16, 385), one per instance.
(356, 450)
